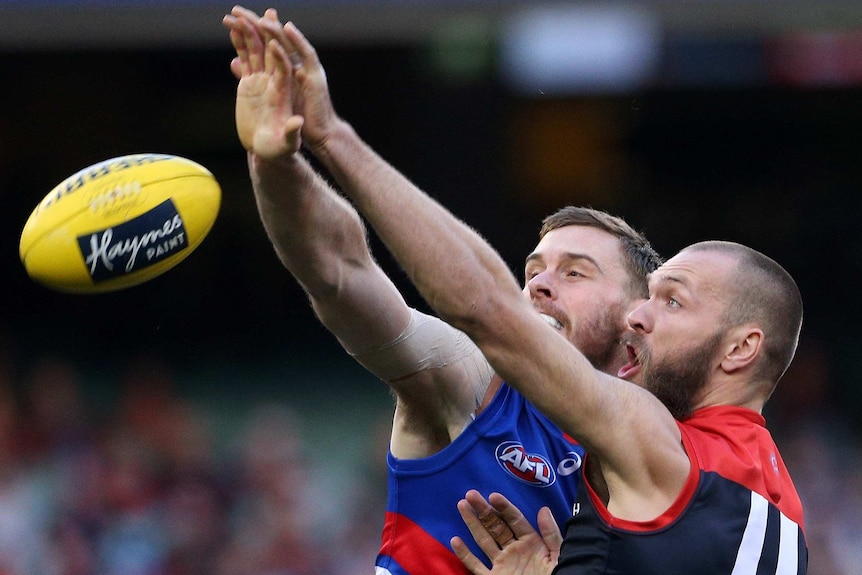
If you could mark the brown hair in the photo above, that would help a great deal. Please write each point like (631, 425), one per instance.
(639, 258)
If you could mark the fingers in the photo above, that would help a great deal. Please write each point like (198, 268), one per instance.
(493, 522)
(272, 28)
(307, 55)
(240, 12)
(254, 45)
(239, 66)
(483, 537)
(278, 64)
(488, 528)
(513, 517)
(272, 15)
(248, 44)
(280, 67)
(272, 64)
(498, 517)
(267, 27)
(256, 31)
(497, 524)
(236, 68)
(550, 531)
(470, 561)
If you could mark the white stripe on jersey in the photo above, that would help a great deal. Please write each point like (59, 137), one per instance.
(752, 540)
(751, 547)
(788, 551)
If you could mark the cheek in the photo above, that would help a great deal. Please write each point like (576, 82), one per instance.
(599, 318)
(610, 309)
(669, 345)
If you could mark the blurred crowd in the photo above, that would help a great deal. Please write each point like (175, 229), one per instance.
(143, 488)
(141, 485)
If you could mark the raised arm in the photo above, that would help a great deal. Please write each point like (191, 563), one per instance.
(468, 285)
(317, 235)
(321, 240)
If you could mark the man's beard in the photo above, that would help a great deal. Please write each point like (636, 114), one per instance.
(678, 382)
(599, 337)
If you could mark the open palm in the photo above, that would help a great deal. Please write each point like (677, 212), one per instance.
(265, 121)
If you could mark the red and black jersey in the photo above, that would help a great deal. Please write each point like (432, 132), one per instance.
(738, 514)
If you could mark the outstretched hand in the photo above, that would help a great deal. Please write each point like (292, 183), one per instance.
(265, 120)
(506, 537)
(311, 99)
(283, 96)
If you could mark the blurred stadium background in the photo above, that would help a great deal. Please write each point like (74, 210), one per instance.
(205, 423)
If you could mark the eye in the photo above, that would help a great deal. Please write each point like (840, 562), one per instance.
(672, 302)
(575, 270)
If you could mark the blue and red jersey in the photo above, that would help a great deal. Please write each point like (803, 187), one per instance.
(509, 448)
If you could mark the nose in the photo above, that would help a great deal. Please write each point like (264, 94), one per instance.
(639, 318)
(541, 286)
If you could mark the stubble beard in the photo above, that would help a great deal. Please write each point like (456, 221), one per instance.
(599, 338)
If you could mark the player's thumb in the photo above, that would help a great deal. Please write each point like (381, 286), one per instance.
(293, 133)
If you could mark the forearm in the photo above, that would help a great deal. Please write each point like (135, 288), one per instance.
(314, 231)
(463, 278)
(470, 287)
(444, 257)
(321, 240)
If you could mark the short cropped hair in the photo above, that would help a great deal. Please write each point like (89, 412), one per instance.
(762, 292)
(639, 257)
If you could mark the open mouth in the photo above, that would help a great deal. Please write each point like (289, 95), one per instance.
(633, 366)
(553, 322)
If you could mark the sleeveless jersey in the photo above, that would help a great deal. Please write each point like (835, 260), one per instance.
(509, 448)
(738, 514)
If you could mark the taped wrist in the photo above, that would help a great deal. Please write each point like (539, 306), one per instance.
(426, 343)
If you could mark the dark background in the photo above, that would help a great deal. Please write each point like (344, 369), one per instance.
(775, 167)
(749, 129)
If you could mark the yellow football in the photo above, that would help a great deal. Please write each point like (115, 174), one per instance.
(119, 223)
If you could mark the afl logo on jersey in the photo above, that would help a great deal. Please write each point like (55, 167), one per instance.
(530, 468)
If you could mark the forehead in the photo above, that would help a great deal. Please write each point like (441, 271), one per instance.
(601, 246)
(702, 273)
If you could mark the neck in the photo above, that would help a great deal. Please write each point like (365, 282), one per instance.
(733, 392)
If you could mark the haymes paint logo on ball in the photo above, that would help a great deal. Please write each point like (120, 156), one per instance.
(136, 244)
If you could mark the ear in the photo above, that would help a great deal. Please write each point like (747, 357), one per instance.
(743, 348)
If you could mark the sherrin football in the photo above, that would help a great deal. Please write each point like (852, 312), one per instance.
(119, 223)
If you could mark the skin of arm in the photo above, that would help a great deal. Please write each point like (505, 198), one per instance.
(629, 433)
(319, 237)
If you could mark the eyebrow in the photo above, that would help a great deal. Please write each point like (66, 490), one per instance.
(669, 278)
(568, 256)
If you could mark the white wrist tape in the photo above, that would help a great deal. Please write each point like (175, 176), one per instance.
(426, 343)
